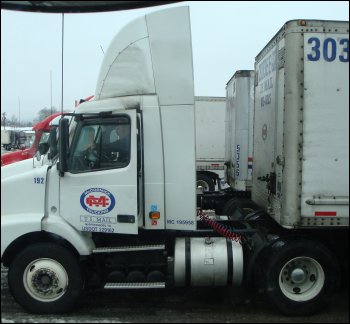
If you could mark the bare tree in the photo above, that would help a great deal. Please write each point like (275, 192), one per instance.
(45, 112)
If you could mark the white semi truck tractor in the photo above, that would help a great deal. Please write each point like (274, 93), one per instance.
(116, 208)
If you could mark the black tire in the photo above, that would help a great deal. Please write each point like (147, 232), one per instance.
(206, 182)
(299, 276)
(237, 209)
(45, 278)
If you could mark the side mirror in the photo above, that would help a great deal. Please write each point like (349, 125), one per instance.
(63, 145)
(53, 143)
(43, 148)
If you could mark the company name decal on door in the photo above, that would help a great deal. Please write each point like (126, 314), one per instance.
(97, 201)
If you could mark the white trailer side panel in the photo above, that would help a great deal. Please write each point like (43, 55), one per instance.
(266, 94)
(239, 130)
(210, 132)
(5, 137)
(325, 164)
(228, 130)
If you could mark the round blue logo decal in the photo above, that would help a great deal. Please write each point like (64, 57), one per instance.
(97, 201)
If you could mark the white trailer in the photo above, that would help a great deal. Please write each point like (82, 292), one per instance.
(5, 137)
(239, 130)
(116, 208)
(12, 139)
(301, 125)
(210, 141)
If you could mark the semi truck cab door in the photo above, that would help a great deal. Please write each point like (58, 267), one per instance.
(100, 190)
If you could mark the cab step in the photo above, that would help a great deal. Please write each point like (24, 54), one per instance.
(134, 285)
(131, 248)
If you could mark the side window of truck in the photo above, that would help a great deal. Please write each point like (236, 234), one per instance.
(101, 145)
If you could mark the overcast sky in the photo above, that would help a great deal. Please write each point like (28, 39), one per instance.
(226, 36)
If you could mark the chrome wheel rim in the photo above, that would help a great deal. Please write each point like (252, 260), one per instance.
(301, 279)
(203, 184)
(45, 280)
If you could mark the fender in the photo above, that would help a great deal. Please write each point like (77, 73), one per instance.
(15, 226)
(81, 241)
(18, 225)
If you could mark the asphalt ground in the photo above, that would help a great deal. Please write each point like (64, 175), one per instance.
(177, 305)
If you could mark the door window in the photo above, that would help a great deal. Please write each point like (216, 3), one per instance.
(101, 145)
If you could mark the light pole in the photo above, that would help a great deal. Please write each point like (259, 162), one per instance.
(19, 113)
(4, 119)
(51, 89)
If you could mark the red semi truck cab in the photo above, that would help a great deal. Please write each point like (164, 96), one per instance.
(42, 130)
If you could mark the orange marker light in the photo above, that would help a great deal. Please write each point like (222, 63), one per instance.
(154, 215)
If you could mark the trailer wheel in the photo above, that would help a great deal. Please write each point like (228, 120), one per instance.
(206, 182)
(300, 276)
(45, 278)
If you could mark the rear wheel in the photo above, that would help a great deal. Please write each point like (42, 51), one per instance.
(45, 278)
(206, 182)
(299, 276)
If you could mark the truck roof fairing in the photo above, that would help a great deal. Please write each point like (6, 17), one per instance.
(151, 55)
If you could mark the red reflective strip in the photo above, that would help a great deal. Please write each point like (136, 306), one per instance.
(215, 164)
(250, 159)
(325, 213)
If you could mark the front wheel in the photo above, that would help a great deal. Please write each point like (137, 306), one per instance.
(45, 278)
(299, 276)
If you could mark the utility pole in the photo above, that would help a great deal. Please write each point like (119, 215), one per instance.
(4, 118)
(19, 113)
(62, 63)
(51, 89)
